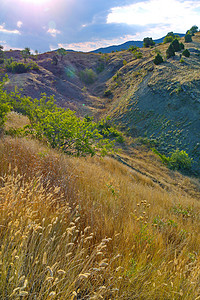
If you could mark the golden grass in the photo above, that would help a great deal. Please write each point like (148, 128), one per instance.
(89, 228)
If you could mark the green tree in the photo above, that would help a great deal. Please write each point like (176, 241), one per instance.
(170, 51)
(188, 38)
(158, 59)
(26, 53)
(186, 53)
(147, 42)
(176, 45)
(192, 30)
(62, 52)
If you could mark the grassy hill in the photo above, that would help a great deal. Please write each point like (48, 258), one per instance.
(119, 227)
(132, 232)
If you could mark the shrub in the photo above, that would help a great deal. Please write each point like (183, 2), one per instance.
(158, 59)
(181, 46)
(16, 67)
(188, 38)
(179, 160)
(176, 45)
(107, 93)
(168, 39)
(147, 42)
(192, 30)
(170, 51)
(186, 53)
(88, 76)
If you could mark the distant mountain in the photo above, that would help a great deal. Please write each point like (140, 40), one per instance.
(126, 45)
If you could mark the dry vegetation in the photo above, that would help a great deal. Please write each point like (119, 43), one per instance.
(89, 228)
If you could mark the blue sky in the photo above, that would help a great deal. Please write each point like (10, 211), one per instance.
(85, 25)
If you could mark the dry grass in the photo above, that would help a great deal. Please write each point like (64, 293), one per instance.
(141, 241)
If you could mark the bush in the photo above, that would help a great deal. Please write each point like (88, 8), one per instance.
(181, 46)
(168, 39)
(192, 30)
(188, 38)
(147, 42)
(176, 45)
(88, 76)
(107, 93)
(170, 51)
(16, 67)
(186, 53)
(158, 59)
(179, 160)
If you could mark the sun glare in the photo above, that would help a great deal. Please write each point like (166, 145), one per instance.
(35, 1)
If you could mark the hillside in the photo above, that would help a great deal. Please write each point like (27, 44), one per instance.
(144, 99)
(77, 225)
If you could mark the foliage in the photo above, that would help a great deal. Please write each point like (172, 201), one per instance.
(88, 76)
(192, 30)
(4, 106)
(107, 93)
(1, 55)
(61, 128)
(26, 53)
(186, 53)
(168, 39)
(178, 160)
(19, 67)
(132, 48)
(147, 42)
(181, 46)
(176, 45)
(62, 52)
(188, 38)
(158, 59)
(170, 51)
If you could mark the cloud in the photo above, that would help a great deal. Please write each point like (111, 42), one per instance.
(8, 31)
(92, 45)
(173, 13)
(53, 32)
(19, 24)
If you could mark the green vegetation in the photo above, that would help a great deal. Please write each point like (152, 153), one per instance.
(58, 127)
(192, 30)
(88, 76)
(19, 67)
(170, 37)
(26, 53)
(170, 51)
(61, 52)
(178, 160)
(1, 55)
(158, 59)
(108, 93)
(186, 53)
(188, 38)
(147, 42)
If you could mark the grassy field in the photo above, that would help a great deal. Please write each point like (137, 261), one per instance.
(94, 228)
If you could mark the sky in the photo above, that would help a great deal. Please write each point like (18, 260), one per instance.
(85, 25)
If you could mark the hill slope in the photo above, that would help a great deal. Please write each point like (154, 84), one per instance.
(160, 103)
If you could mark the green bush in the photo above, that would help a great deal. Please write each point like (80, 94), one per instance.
(107, 93)
(179, 160)
(16, 67)
(168, 39)
(88, 76)
(170, 51)
(188, 38)
(186, 53)
(147, 42)
(158, 59)
(176, 45)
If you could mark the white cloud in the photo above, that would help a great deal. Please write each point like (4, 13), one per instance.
(4, 30)
(19, 24)
(93, 45)
(173, 15)
(53, 32)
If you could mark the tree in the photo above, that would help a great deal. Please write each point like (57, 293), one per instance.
(176, 45)
(158, 59)
(192, 30)
(1, 54)
(26, 53)
(147, 42)
(61, 52)
(188, 38)
(170, 51)
(186, 53)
